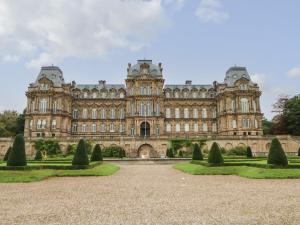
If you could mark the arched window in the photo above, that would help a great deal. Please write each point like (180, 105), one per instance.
(94, 95)
(103, 113)
(195, 113)
(204, 113)
(121, 95)
(195, 94)
(186, 113)
(203, 95)
(244, 105)
(185, 94)
(94, 114)
(168, 95)
(85, 95)
(84, 113)
(177, 113)
(112, 113)
(177, 127)
(176, 94)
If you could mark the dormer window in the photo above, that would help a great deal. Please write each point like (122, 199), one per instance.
(44, 87)
(168, 95)
(85, 95)
(121, 95)
(94, 95)
(176, 94)
(243, 87)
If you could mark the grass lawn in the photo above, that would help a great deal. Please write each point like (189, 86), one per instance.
(243, 171)
(12, 176)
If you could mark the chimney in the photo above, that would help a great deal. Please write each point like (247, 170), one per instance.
(188, 82)
(102, 82)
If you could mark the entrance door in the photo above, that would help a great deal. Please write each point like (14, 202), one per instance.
(145, 129)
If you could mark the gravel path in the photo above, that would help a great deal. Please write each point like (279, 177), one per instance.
(151, 194)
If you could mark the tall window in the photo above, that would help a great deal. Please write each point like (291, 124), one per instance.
(185, 94)
(103, 113)
(75, 113)
(39, 124)
(122, 113)
(132, 110)
(195, 113)
(84, 113)
(122, 127)
(85, 95)
(168, 127)
(102, 127)
(246, 123)
(94, 95)
(255, 123)
(112, 113)
(177, 127)
(157, 109)
(186, 127)
(234, 124)
(254, 105)
(214, 113)
(74, 128)
(203, 94)
(244, 105)
(112, 127)
(214, 127)
(142, 109)
(196, 127)
(55, 107)
(122, 95)
(84, 128)
(168, 95)
(94, 113)
(168, 113)
(186, 113)
(194, 94)
(233, 106)
(33, 106)
(177, 113)
(132, 131)
(204, 113)
(103, 94)
(53, 124)
(94, 128)
(30, 124)
(43, 106)
(176, 94)
(204, 126)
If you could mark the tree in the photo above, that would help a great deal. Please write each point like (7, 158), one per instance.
(11, 123)
(291, 116)
(180, 154)
(276, 154)
(121, 154)
(17, 156)
(81, 156)
(249, 152)
(38, 155)
(267, 127)
(170, 153)
(214, 156)
(70, 149)
(51, 147)
(7, 154)
(197, 154)
(299, 151)
(97, 154)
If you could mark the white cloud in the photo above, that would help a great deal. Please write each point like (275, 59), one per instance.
(45, 32)
(294, 72)
(211, 11)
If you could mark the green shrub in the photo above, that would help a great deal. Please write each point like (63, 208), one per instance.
(223, 150)
(89, 147)
(97, 154)
(70, 149)
(239, 150)
(197, 154)
(38, 155)
(81, 156)
(7, 154)
(299, 151)
(214, 156)
(180, 154)
(17, 156)
(276, 154)
(51, 147)
(249, 152)
(170, 153)
(124, 152)
(112, 151)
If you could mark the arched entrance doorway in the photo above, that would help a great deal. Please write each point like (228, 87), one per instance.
(146, 151)
(145, 129)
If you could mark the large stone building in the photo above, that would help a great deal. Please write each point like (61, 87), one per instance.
(143, 109)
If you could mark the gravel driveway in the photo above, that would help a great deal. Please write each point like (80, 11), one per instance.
(151, 194)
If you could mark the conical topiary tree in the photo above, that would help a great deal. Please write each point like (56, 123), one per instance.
(249, 152)
(171, 153)
(214, 156)
(7, 154)
(17, 155)
(197, 154)
(276, 154)
(96, 154)
(38, 155)
(299, 151)
(81, 156)
(180, 154)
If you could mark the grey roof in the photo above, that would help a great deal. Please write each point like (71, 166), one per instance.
(235, 73)
(187, 86)
(52, 73)
(100, 86)
(135, 70)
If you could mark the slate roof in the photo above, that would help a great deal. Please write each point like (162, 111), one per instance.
(52, 73)
(154, 70)
(99, 86)
(235, 73)
(188, 86)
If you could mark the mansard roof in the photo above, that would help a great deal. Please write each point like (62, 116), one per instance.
(188, 86)
(100, 86)
(52, 73)
(144, 66)
(235, 73)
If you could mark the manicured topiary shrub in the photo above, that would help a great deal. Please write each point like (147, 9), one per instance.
(197, 154)
(7, 154)
(180, 154)
(249, 152)
(38, 155)
(214, 156)
(170, 153)
(81, 156)
(299, 152)
(97, 154)
(276, 154)
(17, 155)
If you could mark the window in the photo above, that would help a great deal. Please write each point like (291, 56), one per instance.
(113, 94)
(169, 127)
(177, 127)
(85, 95)
(75, 113)
(103, 114)
(176, 94)
(214, 127)
(112, 127)
(202, 94)
(204, 113)
(149, 109)
(94, 128)
(84, 113)
(246, 123)
(233, 106)
(33, 106)
(243, 87)
(195, 113)
(185, 94)
(39, 124)
(112, 113)
(254, 105)
(186, 127)
(168, 95)
(196, 127)
(194, 94)
(84, 128)
(103, 94)
(177, 113)
(157, 131)
(44, 87)
(122, 95)
(55, 107)
(214, 113)
(132, 131)
(74, 128)
(122, 128)
(244, 105)
(186, 113)
(157, 109)
(132, 110)
(255, 123)
(43, 106)
(30, 124)
(168, 113)
(102, 127)
(142, 109)
(94, 113)
(53, 124)
(204, 127)
(122, 113)
(44, 123)
(234, 124)
(94, 95)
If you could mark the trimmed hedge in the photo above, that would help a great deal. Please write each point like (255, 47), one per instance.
(97, 154)
(81, 156)
(7, 154)
(249, 152)
(276, 154)
(214, 156)
(17, 156)
(197, 154)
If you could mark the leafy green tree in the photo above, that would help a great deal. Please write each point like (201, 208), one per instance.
(81, 156)
(276, 154)
(17, 156)
(249, 152)
(214, 156)
(299, 151)
(7, 154)
(267, 127)
(51, 147)
(197, 154)
(11, 123)
(70, 149)
(38, 155)
(97, 154)
(291, 115)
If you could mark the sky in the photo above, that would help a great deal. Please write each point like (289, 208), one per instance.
(196, 40)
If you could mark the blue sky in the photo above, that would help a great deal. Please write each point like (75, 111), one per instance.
(199, 40)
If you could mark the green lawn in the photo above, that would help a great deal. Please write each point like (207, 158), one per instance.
(243, 171)
(12, 176)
